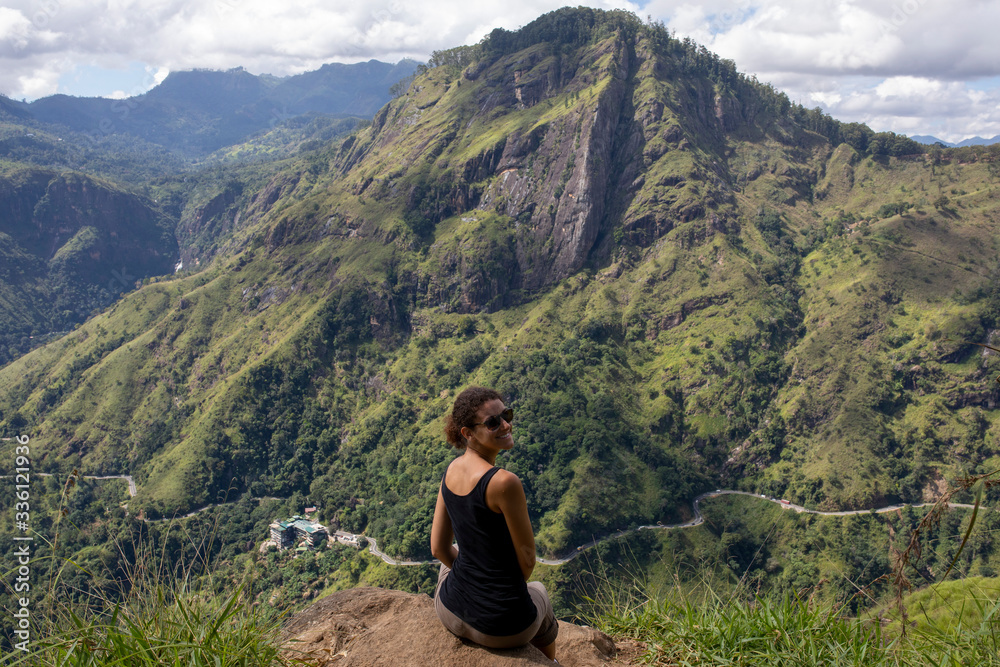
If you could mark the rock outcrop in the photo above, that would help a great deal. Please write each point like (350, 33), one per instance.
(567, 142)
(69, 245)
(372, 626)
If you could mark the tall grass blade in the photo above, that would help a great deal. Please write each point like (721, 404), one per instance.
(978, 489)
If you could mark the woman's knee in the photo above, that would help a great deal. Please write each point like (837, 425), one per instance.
(548, 629)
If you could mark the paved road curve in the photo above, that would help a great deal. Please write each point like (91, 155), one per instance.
(697, 520)
(128, 478)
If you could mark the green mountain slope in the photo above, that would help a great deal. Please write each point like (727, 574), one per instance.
(195, 202)
(193, 113)
(885, 394)
(679, 279)
(70, 245)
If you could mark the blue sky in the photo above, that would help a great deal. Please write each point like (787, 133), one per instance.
(132, 78)
(911, 66)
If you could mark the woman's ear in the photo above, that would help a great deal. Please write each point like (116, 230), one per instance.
(466, 433)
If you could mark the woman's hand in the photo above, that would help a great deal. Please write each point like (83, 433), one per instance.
(506, 494)
(442, 535)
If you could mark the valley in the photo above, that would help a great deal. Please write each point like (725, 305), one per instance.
(680, 280)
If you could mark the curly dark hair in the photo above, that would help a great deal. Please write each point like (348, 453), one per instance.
(463, 412)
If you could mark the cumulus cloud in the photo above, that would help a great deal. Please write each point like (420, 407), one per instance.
(903, 65)
(949, 110)
(950, 40)
(43, 39)
(896, 64)
(14, 27)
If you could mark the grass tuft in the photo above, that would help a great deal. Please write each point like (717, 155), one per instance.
(685, 628)
(163, 627)
(154, 614)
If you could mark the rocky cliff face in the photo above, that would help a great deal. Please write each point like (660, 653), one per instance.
(371, 626)
(211, 218)
(576, 147)
(46, 210)
(78, 242)
(573, 155)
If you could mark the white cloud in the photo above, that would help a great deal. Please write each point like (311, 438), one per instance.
(876, 37)
(14, 28)
(949, 110)
(907, 87)
(262, 35)
(159, 74)
(902, 65)
(825, 99)
(858, 59)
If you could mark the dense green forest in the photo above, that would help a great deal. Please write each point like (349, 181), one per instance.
(746, 546)
(191, 114)
(48, 178)
(680, 280)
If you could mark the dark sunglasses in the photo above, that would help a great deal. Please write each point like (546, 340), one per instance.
(493, 423)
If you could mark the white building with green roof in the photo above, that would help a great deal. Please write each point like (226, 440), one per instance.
(287, 533)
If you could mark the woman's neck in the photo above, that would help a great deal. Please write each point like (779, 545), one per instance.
(485, 454)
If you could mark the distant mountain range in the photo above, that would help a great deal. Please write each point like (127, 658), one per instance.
(94, 191)
(199, 111)
(974, 141)
(680, 280)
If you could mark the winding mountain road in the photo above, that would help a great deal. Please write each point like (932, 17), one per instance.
(696, 521)
(128, 478)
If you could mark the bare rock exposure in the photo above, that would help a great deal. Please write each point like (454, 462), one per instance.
(373, 626)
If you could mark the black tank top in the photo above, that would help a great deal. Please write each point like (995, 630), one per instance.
(486, 588)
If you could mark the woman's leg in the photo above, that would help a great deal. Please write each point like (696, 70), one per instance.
(545, 639)
(452, 623)
(541, 634)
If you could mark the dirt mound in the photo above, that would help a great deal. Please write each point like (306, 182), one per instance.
(373, 626)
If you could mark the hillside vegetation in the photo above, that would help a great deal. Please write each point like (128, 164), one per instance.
(56, 180)
(69, 245)
(675, 283)
(194, 113)
(680, 280)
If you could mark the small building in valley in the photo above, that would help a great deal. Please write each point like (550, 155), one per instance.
(350, 539)
(285, 534)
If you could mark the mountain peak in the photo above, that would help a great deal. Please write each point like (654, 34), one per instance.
(578, 124)
(195, 112)
(972, 141)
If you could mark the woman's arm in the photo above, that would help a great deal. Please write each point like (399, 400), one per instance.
(442, 536)
(506, 494)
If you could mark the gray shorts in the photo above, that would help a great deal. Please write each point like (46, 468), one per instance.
(541, 632)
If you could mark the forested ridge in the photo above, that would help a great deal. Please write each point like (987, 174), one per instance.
(680, 280)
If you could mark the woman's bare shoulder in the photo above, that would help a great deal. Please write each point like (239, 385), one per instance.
(505, 481)
(506, 477)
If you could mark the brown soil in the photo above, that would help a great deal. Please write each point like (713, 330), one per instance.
(372, 626)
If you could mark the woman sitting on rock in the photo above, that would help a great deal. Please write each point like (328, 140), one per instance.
(482, 594)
